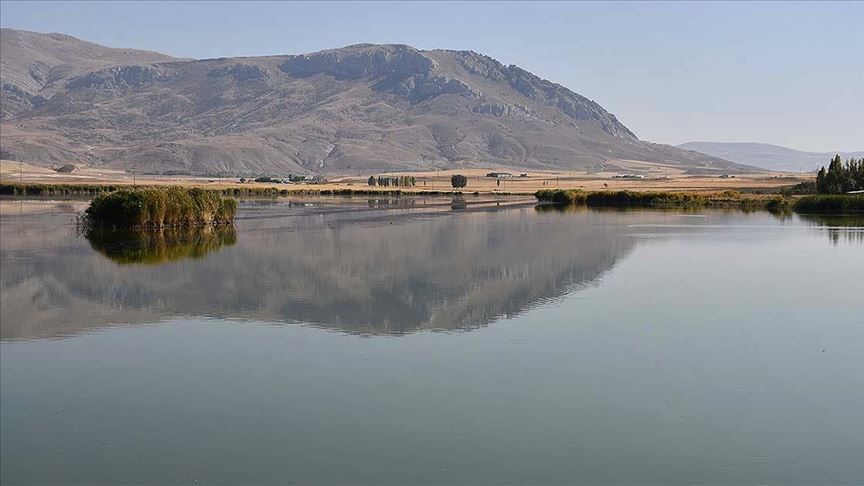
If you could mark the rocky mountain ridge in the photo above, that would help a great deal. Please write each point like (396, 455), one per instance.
(358, 109)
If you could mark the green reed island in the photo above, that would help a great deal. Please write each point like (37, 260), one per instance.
(160, 207)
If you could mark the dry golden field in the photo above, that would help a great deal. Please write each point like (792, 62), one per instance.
(662, 179)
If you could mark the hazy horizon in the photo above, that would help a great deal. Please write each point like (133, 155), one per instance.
(673, 73)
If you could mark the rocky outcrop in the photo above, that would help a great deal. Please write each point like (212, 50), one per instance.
(421, 88)
(399, 69)
(501, 110)
(480, 65)
(362, 61)
(573, 105)
(14, 100)
(119, 77)
(241, 72)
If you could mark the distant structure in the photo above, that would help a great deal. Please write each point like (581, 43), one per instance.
(500, 175)
(628, 176)
(66, 169)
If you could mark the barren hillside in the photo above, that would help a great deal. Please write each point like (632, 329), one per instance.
(359, 109)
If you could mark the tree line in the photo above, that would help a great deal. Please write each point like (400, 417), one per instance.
(457, 181)
(383, 181)
(839, 178)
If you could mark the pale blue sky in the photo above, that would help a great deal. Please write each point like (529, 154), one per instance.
(784, 73)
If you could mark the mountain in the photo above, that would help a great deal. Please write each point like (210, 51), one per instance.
(767, 156)
(35, 66)
(359, 109)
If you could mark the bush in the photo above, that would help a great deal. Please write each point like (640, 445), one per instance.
(806, 187)
(778, 204)
(458, 181)
(730, 194)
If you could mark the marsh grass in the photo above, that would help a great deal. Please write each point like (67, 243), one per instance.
(624, 198)
(28, 189)
(159, 207)
(632, 198)
(830, 203)
(727, 199)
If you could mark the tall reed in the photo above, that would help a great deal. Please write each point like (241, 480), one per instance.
(159, 207)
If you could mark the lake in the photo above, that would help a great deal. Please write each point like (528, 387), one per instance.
(433, 341)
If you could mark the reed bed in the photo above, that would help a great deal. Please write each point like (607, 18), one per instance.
(830, 203)
(725, 199)
(27, 189)
(622, 198)
(160, 207)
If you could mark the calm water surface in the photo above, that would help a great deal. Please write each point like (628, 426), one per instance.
(433, 341)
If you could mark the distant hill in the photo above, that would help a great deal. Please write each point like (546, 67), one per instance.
(359, 109)
(767, 156)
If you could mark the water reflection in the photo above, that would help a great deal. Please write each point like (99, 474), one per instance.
(849, 228)
(153, 247)
(370, 271)
(384, 269)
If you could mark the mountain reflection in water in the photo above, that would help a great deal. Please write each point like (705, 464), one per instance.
(366, 268)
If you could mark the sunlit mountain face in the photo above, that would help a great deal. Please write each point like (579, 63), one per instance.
(358, 109)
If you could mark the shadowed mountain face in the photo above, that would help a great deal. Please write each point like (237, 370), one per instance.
(362, 108)
(359, 270)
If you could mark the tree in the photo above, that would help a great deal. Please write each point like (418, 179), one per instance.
(371, 181)
(840, 178)
(835, 176)
(821, 185)
(458, 180)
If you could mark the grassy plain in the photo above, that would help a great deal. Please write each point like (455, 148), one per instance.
(658, 178)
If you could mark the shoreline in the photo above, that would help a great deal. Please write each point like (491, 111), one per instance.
(775, 203)
(91, 179)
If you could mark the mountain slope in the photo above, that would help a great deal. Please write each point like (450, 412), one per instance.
(34, 66)
(767, 156)
(362, 108)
